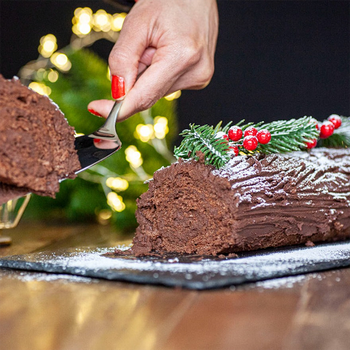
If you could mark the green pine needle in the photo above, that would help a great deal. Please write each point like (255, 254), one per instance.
(289, 135)
(203, 139)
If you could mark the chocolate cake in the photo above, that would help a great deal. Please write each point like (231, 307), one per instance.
(250, 203)
(36, 143)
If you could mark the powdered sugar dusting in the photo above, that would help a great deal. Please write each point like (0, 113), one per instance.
(188, 272)
(312, 168)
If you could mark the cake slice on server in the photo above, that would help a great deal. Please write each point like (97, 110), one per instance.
(38, 148)
(36, 143)
(233, 191)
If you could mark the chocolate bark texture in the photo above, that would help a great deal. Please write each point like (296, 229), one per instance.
(251, 203)
(36, 142)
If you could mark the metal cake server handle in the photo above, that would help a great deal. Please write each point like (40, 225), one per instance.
(102, 143)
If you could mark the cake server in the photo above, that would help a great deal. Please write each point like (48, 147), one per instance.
(102, 143)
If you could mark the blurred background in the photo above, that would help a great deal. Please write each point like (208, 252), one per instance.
(274, 60)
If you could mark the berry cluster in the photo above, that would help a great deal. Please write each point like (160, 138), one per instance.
(251, 138)
(326, 129)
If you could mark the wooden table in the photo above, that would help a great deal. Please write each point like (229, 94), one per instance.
(47, 312)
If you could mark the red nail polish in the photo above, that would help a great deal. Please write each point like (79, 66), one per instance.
(118, 87)
(92, 111)
(97, 140)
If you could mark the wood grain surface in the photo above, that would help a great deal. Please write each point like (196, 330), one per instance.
(47, 312)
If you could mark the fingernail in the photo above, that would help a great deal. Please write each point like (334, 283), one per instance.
(92, 111)
(118, 87)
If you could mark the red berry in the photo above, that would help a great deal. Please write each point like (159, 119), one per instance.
(326, 130)
(250, 131)
(311, 144)
(235, 150)
(250, 143)
(235, 133)
(264, 136)
(222, 135)
(335, 120)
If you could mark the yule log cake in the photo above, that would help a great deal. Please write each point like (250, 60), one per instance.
(36, 143)
(249, 187)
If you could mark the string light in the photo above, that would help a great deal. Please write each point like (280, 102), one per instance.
(48, 45)
(160, 127)
(173, 96)
(40, 88)
(144, 132)
(133, 156)
(117, 183)
(52, 76)
(115, 201)
(102, 21)
(104, 216)
(82, 21)
(40, 74)
(118, 21)
(61, 61)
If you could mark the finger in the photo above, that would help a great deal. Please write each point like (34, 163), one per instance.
(126, 54)
(164, 77)
(147, 56)
(153, 84)
(196, 79)
(101, 107)
(146, 59)
(169, 63)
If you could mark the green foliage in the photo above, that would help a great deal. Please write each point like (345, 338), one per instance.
(81, 199)
(340, 137)
(289, 135)
(286, 136)
(203, 139)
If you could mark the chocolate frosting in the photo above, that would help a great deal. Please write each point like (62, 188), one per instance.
(251, 203)
(36, 142)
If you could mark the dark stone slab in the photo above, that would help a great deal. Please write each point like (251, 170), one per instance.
(192, 272)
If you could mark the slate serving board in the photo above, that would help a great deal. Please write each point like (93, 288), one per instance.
(190, 272)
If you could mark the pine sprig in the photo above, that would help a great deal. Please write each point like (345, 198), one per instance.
(286, 136)
(219, 144)
(289, 135)
(204, 139)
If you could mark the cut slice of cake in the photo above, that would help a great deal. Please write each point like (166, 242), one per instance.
(36, 142)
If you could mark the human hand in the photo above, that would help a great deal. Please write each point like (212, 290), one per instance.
(164, 46)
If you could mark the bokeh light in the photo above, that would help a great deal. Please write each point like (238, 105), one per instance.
(52, 76)
(133, 156)
(144, 132)
(118, 21)
(173, 96)
(61, 61)
(40, 88)
(160, 127)
(115, 201)
(48, 45)
(103, 216)
(117, 183)
(82, 21)
(102, 21)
